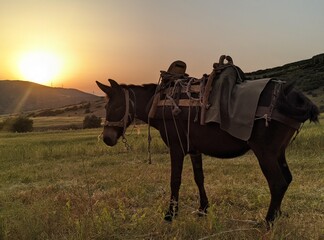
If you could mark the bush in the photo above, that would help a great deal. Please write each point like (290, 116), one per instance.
(92, 121)
(17, 124)
(50, 112)
(312, 84)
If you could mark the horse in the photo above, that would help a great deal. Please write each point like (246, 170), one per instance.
(269, 143)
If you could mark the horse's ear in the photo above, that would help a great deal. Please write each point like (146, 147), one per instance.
(104, 88)
(114, 84)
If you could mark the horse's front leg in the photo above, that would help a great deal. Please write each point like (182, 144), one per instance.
(196, 160)
(176, 171)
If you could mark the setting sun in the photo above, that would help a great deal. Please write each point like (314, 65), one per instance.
(40, 67)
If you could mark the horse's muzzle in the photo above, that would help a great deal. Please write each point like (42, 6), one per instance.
(110, 137)
(110, 142)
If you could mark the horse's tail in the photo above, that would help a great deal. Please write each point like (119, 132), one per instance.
(296, 105)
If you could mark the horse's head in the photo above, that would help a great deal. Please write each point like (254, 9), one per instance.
(118, 116)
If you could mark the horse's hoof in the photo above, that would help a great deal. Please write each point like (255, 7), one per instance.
(169, 216)
(200, 212)
(262, 224)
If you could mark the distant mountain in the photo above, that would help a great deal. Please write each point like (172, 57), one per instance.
(21, 96)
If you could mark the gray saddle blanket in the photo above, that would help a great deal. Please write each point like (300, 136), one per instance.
(233, 103)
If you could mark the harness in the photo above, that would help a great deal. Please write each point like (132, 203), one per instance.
(223, 97)
(122, 123)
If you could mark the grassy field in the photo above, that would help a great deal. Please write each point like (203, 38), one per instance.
(43, 123)
(67, 185)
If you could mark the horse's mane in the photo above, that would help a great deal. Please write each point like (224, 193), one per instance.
(296, 105)
(150, 87)
(145, 86)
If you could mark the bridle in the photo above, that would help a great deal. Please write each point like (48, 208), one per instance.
(122, 123)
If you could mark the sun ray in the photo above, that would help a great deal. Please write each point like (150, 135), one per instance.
(22, 100)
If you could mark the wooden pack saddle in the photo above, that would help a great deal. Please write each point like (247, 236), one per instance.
(223, 96)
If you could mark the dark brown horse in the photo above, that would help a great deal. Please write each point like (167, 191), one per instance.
(126, 102)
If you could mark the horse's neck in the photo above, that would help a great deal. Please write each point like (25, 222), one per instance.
(143, 96)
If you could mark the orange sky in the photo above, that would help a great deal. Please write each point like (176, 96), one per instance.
(132, 40)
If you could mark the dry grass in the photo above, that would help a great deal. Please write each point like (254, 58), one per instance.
(66, 185)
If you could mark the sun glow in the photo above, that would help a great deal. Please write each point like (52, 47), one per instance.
(40, 67)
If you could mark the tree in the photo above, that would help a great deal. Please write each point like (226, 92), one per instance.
(17, 124)
(92, 121)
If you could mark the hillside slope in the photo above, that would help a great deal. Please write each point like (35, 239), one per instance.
(308, 75)
(21, 96)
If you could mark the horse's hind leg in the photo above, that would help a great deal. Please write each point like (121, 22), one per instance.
(196, 160)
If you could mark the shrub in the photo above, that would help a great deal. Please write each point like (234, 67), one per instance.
(312, 84)
(87, 105)
(91, 121)
(17, 124)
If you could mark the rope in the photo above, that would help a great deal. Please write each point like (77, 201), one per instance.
(100, 136)
(266, 117)
(124, 140)
(297, 132)
(178, 134)
(165, 128)
(188, 127)
(149, 137)
(181, 83)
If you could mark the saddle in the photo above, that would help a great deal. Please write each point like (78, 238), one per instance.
(224, 96)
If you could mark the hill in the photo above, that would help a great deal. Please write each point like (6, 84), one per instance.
(96, 107)
(308, 75)
(38, 100)
(22, 96)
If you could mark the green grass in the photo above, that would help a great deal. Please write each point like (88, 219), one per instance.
(67, 185)
(41, 123)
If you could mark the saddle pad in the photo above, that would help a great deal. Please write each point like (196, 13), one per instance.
(234, 105)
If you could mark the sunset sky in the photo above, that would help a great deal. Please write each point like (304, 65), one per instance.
(72, 43)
